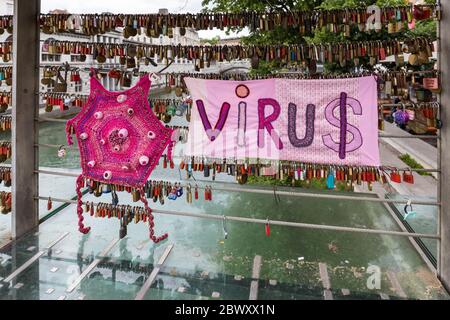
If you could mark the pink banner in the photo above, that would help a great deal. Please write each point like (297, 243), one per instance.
(315, 121)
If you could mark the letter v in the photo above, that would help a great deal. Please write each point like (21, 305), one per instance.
(213, 133)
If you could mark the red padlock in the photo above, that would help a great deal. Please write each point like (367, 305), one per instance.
(267, 228)
(49, 204)
(77, 77)
(318, 174)
(395, 176)
(164, 162)
(408, 177)
(61, 105)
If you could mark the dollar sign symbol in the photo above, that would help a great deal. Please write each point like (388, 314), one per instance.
(342, 147)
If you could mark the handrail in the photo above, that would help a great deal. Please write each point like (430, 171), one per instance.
(275, 222)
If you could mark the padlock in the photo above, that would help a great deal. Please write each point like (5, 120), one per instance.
(395, 176)
(408, 176)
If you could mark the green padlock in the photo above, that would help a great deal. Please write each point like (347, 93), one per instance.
(171, 109)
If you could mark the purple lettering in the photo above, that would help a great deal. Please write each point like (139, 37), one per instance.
(343, 127)
(213, 133)
(309, 132)
(265, 123)
(343, 146)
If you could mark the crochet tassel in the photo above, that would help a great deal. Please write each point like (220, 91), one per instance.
(150, 220)
(170, 150)
(81, 226)
(69, 132)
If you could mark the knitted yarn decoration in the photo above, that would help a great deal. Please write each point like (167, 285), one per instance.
(120, 140)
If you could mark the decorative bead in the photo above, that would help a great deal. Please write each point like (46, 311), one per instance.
(91, 164)
(116, 148)
(130, 111)
(151, 135)
(121, 98)
(107, 175)
(83, 136)
(102, 142)
(143, 160)
(123, 133)
(98, 115)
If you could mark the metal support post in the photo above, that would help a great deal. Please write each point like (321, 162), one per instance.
(26, 35)
(444, 154)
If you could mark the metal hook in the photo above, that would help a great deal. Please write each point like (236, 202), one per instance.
(224, 226)
(411, 213)
(276, 195)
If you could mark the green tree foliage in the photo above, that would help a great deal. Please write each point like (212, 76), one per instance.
(213, 41)
(292, 36)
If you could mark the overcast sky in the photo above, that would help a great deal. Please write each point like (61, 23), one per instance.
(129, 6)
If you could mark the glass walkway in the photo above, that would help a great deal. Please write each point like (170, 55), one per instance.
(197, 262)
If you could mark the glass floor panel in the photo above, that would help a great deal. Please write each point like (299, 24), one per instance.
(425, 220)
(292, 263)
(23, 250)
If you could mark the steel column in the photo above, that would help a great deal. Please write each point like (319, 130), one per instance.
(444, 147)
(26, 34)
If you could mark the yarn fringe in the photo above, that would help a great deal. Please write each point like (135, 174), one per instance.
(81, 226)
(68, 133)
(151, 223)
